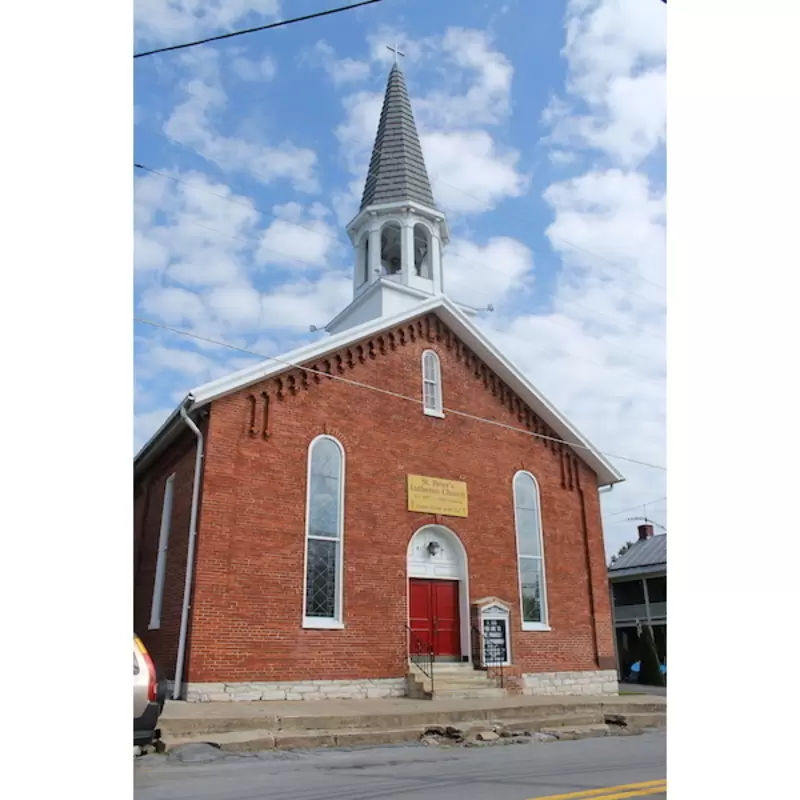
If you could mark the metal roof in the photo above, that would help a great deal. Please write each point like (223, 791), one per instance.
(397, 169)
(642, 554)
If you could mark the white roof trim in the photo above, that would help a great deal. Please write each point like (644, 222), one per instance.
(462, 327)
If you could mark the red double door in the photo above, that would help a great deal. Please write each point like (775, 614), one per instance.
(433, 614)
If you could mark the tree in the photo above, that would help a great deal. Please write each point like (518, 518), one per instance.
(623, 549)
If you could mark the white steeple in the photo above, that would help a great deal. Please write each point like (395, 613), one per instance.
(398, 233)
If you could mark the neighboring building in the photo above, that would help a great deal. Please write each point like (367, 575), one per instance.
(330, 519)
(639, 591)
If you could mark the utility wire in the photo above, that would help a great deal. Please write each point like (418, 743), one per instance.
(337, 239)
(556, 318)
(390, 393)
(278, 24)
(638, 506)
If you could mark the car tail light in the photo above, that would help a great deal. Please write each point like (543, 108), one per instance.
(152, 683)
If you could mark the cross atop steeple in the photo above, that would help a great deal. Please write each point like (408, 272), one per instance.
(396, 50)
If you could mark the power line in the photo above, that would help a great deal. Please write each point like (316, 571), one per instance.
(483, 202)
(338, 240)
(390, 393)
(252, 242)
(278, 24)
(638, 506)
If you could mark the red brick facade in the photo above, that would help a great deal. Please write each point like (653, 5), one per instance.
(246, 620)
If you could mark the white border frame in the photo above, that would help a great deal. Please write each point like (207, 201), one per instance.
(437, 412)
(325, 623)
(531, 626)
(507, 617)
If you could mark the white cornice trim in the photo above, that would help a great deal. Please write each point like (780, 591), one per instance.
(461, 326)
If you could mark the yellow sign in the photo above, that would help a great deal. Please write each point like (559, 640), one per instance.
(437, 496)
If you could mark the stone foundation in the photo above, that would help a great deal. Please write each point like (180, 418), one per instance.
(296, 690)
(597, 682)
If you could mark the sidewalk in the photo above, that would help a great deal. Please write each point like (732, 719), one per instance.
(282, 709)
(263, 725)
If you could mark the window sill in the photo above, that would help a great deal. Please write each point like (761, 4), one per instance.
(535, 626)
(437, 414)
(323, 624)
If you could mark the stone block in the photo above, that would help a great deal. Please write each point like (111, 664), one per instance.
(245, 697)
(273, 694)
(218, 697)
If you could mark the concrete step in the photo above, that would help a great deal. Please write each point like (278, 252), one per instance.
(563, 727)
(253, 741)
(360, 715)
(461, 680)
(465, 692)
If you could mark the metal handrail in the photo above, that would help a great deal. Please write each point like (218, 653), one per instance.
(488, 655)
(421, 655)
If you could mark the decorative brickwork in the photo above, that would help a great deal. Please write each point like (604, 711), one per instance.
(246, 614)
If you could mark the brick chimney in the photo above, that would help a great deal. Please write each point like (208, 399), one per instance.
(645, 532)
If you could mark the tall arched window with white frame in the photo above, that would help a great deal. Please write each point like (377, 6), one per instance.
(432, 403)
(324, 532)
(530, 552)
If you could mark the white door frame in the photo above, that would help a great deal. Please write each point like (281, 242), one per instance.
(448, 563)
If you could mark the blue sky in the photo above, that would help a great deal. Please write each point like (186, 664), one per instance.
(542, 124)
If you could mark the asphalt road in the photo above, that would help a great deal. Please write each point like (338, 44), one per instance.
(508, 772)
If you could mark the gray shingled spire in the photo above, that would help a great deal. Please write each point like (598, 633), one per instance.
(397, 169)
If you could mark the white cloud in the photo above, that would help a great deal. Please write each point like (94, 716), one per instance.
(193, 227)
(236, 304)
(186, 362)
(298, 239)
(191, 124)
(173, 305)
(594, 344)
(170, 21)
(249, 70)
(487, 73)
(340, 70)
(478, 275)
(297, 305)
(615, 54)
(470, 171)
(146, 423)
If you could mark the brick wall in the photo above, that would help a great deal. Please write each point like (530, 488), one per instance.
(248, 600)
(149, 498)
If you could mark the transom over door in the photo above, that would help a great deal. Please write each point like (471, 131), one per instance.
(434, 614)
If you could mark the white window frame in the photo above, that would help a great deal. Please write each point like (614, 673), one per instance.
(161, 559)
(438, 409)
(544, 625)
(337, 621)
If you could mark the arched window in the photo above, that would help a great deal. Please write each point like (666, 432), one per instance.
(431, 384)
(528, 520)
(324, 524)
(391, 249)
(422, 251)
(363, 261)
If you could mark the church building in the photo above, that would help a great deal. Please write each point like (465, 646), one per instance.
(391, 510)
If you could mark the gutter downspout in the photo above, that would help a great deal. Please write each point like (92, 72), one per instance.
(187, 586)
(605, 489)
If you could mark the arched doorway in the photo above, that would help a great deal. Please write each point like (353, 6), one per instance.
(438, 592)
